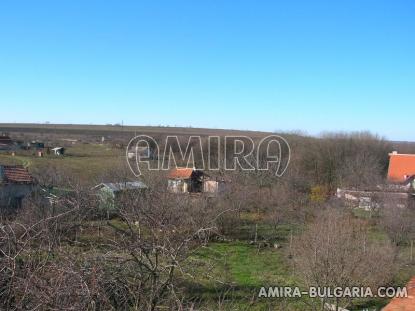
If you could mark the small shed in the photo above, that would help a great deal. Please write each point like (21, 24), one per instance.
(110, 192)
(15, 184)
(58, 151)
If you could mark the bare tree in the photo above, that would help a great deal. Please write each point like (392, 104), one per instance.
(336, 251)
(398, 222)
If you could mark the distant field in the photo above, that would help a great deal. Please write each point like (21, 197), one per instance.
(77, 129)
(87, 163)
(87, 159)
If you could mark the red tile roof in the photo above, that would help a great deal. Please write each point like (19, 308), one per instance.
(15, 174)
(180, 173)
(401, 166)
(403, 304)
(5, 141)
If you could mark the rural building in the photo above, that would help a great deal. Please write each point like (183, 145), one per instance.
(401, 167)
(110, 192)
(214, 186)
(185, 180)
(403, 303)
(400, 191)
(191, 180)
(58, 151)
(15, 183)
(6, 143)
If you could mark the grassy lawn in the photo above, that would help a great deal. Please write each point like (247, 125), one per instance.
(244, 265)
(240, 270)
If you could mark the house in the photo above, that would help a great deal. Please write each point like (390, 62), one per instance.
(15, 183)
(214, 186)
(403, 303)
(401, 167)
(191, 180)
(185, 180)
(6, 143)
(58, 150)
(400, 191)
(110, 192)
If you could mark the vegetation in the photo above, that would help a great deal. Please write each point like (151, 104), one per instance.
(158, 250)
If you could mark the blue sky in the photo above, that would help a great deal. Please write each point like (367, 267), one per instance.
(261, 65)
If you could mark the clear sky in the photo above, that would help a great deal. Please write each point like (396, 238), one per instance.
(261, 65)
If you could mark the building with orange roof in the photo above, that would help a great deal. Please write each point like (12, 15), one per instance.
(401, 167)
(183, 180)
(404, 303)
(191, 180)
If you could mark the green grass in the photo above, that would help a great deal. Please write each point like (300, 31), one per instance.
(363, 214)
(238, 268)
(245, 265)
(377, 234)
(241, 269)
(93, 150)
(251, 222)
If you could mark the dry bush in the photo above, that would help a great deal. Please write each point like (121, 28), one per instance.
(398, 223)
(336, 251)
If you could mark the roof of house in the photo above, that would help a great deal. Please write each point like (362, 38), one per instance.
(5, 141)
(15, 174)
(120, 186)
(401, 166)
(180, 173)
(404, 303)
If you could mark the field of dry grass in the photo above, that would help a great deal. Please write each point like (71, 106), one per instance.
(81, 129)
(87, 163)
(87, 159)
